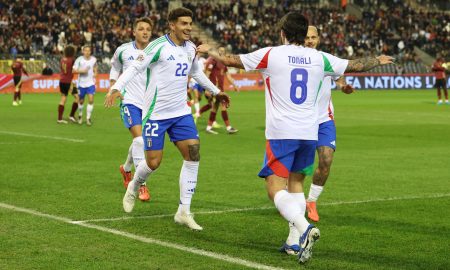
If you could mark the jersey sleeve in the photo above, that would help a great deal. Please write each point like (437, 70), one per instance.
(116, 65)
(256, 60)
(334, 66)
(76, 64)
(147, 58)
(197, 73)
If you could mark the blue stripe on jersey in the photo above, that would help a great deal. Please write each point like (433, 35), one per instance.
(170, 41)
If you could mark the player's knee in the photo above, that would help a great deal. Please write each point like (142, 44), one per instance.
(154, 163)
(194, 152)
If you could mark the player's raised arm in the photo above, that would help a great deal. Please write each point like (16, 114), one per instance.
(230, 60)
(367, 63)
(198, 74)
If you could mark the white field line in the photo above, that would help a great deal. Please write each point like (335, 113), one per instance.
(147, 240)
(432, 196)
(41, 136)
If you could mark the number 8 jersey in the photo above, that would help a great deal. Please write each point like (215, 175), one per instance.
(293, 78)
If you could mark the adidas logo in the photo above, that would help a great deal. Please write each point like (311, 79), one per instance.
(171, 58)
(130, 58)
(333, 143)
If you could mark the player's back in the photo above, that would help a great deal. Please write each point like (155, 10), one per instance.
(66, 64)
(293, 76)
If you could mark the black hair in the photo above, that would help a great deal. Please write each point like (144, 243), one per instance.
(294, 26)
(174, 14)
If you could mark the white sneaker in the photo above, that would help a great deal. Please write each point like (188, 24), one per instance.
(15, 103)
(216, 125)
(439, 102)
(446, 101)
(61, 121)
(20, 102)
(128, 201)
(80, 120)
(72, 119)
(210, 131)
(88, 122)
(188, 220)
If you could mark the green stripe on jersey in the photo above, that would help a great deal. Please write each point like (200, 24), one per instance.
(148, 79)
(157, 54)
(150, 110)
(318, 91)
(120, 57)
(153, 44)
(327, 67)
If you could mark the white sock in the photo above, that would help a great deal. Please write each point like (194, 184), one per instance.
(314, 192)
(188, 182)
(140, 176)
(197, 107)
(294, 234)
(208, 127)
(290, 210)
(129, 161)
(138, 151)
(80, 110)
(89, 109)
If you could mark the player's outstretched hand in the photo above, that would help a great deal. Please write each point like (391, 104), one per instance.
(224, 99)
(385, 59)
(204, 48)
(111, 97)
(348, 89)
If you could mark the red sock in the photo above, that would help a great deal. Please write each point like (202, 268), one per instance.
(445, 93)
(60, 111)
(74, 109)
(212, 118)
(205, 108)
(225, 118)
(20, 95)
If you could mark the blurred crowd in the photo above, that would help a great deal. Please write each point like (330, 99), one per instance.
(391, 27)
(45, 27)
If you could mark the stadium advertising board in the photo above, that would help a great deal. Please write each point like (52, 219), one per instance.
(246, 82)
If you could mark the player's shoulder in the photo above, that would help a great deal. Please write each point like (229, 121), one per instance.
(156, 44)
(190, 45)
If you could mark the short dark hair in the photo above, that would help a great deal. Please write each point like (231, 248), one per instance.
(69, 51)
(174, 14)
(294, 26)
(143, 19)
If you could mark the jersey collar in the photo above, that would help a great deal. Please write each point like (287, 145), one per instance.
(173, 43)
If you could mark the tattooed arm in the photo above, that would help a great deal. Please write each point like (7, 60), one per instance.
(230, 60)
(367, 63)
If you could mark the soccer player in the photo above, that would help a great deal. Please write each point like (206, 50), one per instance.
(439, 73)
(132, 98)
(66, 85)
(170, 59)
(17, 68)
(293, 76)
(217, 72)
(86, 66)
(326, 144)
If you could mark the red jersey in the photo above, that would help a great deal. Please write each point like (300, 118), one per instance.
(218, 70)
(17, 68)
(66, 75)
(439, 70)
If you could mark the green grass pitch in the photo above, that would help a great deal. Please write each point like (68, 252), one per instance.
(385, 206)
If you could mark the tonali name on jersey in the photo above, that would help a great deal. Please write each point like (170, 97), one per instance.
(293, 78)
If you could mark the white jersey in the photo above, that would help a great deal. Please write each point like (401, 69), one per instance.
(326, 109)
(201, 64)
(170, 65)
(86, 79)
(121, 61)
(293, 77)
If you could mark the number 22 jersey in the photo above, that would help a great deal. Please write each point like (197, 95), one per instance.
(293, 77)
